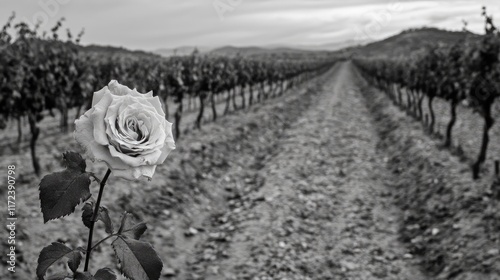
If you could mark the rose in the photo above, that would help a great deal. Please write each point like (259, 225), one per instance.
(127, 130)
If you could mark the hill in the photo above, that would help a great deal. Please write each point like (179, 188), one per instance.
(410, 41)
(111, 50)
(402, 44)
(184, 50)
(256, 51)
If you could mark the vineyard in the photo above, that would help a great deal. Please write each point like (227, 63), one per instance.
(307, 165)
(466, 72)
(41, 75)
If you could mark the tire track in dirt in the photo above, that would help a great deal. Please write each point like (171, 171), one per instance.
(323, 211)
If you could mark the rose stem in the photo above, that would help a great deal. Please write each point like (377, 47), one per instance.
(93, 220)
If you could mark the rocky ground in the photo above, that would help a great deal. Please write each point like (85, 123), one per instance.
(329, 181)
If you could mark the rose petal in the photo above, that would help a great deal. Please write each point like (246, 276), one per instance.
(97, 117)
(98, 95)
(131, 161)
(165, 151)
(156, 103)
(126, 107)
(127, 130)
(142, 172)
(169, 144)
(146, 157)
(93, 150)
(156, 135)
(122, 90)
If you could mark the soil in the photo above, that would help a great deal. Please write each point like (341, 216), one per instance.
(329, 181)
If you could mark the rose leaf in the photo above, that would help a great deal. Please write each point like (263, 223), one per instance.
(138, 260)
(124, 221)
(84, 276)
(75, 259)
(51, 254)
(61, 192)
(105, 274)
(129, 229)
(74, 161)
(103, 215)
(136, 231)
(87, 213)
(59, 276)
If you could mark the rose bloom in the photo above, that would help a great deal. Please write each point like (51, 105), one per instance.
(127, 130)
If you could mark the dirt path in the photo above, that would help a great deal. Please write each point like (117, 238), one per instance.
(315, 208)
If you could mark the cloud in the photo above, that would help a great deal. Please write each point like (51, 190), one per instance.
(152, 24)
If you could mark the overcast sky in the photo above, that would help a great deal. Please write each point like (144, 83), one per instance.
(153, 24)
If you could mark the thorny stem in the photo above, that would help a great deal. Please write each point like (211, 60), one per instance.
(94, 217)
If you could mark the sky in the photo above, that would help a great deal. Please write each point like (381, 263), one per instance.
(153, 24)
